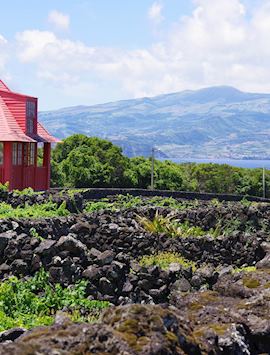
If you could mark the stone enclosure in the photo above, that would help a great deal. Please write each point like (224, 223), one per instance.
(220, 306)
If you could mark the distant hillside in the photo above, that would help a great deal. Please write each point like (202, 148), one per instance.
(217, 122)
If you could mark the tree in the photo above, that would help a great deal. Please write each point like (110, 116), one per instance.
(168, 176)
(138, 173)
(82, 161)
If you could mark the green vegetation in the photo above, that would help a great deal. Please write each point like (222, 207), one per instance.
(4, 187)
(25, 192)
(170, 227)
(164, 259)
(34, 233)
(234, 224)
(81, 161)
(237, 270)
(48, 209)
(35, 301)
(251, 282)
(127, 201)
(173, 228)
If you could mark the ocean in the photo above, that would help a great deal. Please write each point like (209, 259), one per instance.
(234, 162)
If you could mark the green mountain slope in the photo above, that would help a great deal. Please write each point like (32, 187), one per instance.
(217, 122)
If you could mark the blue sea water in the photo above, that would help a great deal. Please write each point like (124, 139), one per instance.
(234, 162)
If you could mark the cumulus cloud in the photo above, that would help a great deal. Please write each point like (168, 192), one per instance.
(155, 12)
(2, 40)
(3, 56)
(59, 20)
(219, 43)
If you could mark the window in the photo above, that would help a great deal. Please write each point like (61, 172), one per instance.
(25, 154)
(31, 155)
(1, 153)
(30, 116)
(40, 154)
(14, 153)
(17, 153)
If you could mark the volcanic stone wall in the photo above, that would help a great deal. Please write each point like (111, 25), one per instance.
(104, 248)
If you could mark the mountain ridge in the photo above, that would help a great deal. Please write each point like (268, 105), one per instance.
(215, 122)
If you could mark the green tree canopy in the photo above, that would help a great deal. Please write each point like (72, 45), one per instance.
(82, 161)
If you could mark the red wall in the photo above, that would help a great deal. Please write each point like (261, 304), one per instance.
(21, 176)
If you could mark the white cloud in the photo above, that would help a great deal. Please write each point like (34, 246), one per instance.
(2, 40)
(3, 56)
(59, 20)
(155, 12)
(217, 44)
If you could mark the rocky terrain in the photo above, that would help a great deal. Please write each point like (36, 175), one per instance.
(215, 300)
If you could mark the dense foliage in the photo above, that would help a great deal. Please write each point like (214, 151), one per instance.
(87, 161)
(82, 161)
(35, 301)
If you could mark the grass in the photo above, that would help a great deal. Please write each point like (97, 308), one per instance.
(48, 209)
(35, 301)
(165, 259)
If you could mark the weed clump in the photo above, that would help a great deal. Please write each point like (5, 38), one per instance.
(4, 187)
(237, 270)
(251, 282)
(171, 227)
(165, 259)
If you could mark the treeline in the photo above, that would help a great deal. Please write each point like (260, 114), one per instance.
(81, 161)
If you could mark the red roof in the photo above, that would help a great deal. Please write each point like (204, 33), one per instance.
(10, 130)
(43, 135)
(3, 86)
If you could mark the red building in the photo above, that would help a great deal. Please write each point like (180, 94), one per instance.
(20, 136)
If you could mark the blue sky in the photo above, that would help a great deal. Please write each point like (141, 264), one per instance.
(72, 52)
